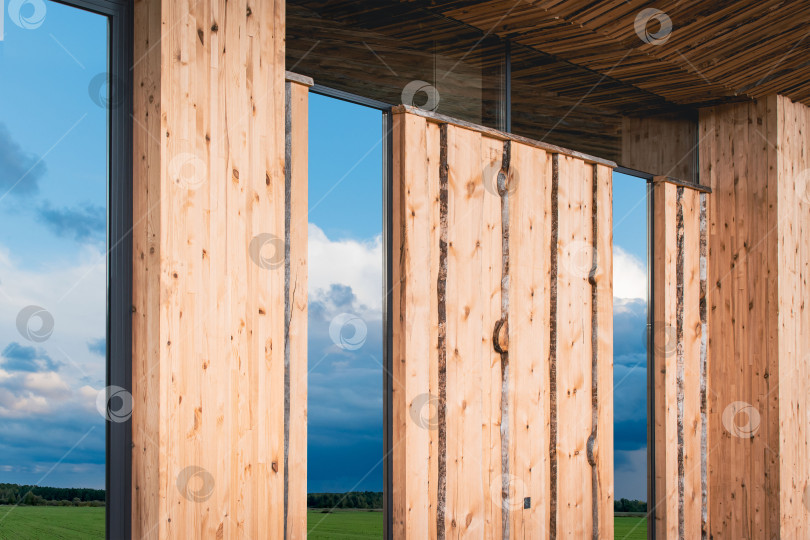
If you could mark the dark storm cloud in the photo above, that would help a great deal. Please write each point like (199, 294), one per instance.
(345, 398)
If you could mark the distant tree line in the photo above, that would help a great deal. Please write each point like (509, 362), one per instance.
(371, 500)
(624, 505)
(50, 496)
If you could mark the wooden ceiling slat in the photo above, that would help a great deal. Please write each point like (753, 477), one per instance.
(715, 48)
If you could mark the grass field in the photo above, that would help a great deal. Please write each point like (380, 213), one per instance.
(358, 524)
(344, 524)
(630, 528)
(51, 522)
(74, 523)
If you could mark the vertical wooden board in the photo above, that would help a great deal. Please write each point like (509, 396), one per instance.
(794, 352)
(604, 323)
(800, 520)
(297, 335)
(146, 234)
(464, 517)
(180, 441)
(766, 207)
(691, 420)
(574, 507)
(398, 272)
(412, 291)
(666, 466)
(529, 186)
(720, 298)
(433, 143)
(491, 273)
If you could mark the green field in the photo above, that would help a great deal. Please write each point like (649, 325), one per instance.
(57, 522)
(630, 528)
(360, 524)
(344, 524)
(69, 523)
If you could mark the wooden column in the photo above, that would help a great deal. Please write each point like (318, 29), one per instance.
(755, 157)
(208, 283)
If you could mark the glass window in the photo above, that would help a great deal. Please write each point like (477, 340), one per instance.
(54, 111)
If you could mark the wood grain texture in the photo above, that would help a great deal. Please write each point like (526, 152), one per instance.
(665, 499)
(492, 152)
(661, 145)
(793, 167)
(208, 326)
(574, 349)
(529, 188)
(491, 479)
(680, 455)
(411, 294)
(465, 492)
(740, 159)
(296, 291)
(691, 423)
(603, 278)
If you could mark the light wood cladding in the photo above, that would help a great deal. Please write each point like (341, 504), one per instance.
(208, 321)
(679, 458)
(471, 433)
(755, 157)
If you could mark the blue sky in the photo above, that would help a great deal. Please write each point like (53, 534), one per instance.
(52, 235)
(53, 145)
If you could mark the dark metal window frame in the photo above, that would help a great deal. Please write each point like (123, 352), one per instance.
(119, 15)
(388, 276)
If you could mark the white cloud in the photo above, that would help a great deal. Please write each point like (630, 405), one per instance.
(72, 290)
(48, 384)
(629, 275)
(354, 263)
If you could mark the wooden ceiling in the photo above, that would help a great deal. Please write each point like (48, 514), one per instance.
(579, 68)
(715, 50)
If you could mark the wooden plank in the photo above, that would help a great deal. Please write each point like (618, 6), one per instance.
(411, 294)
(604, 348)
(665, 499)
(492, 151)
(464, 517)
(794, 321)
(146, 235)
(433, 142)
(691, 424)
(297, 304)
(574, 349)
(529, 199)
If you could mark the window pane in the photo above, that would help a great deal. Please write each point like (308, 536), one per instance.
(53, 242)
(345, 336)
(630, 273)
(430, 62)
